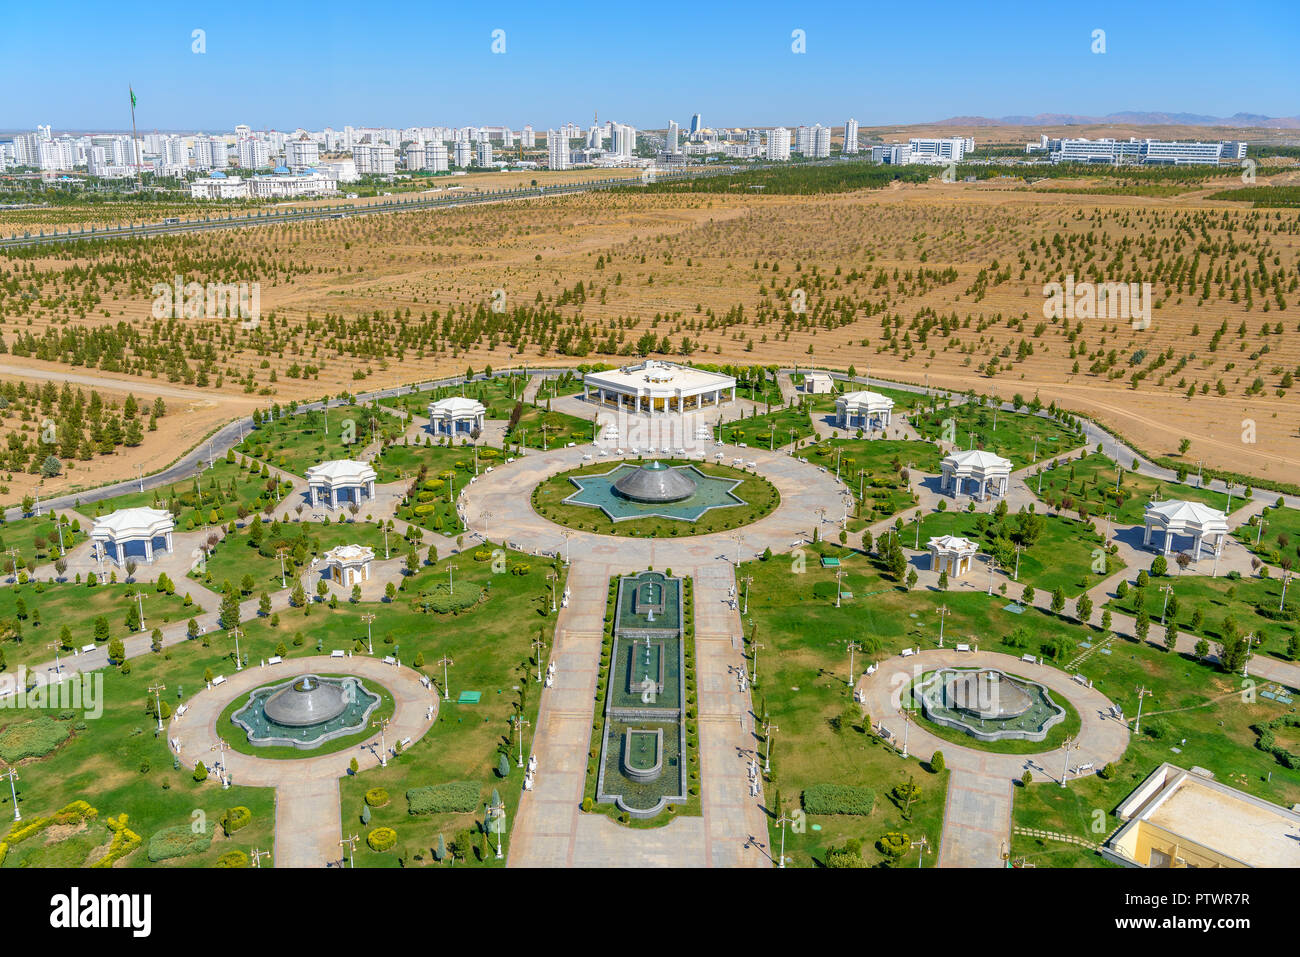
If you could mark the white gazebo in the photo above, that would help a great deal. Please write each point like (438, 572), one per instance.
(133, 533)
(989, 472)
(951, 554)
(818, 383)
(1193, 519)
(341, 482)
(654, 387)
(349, 564)
(456, 414)
(864, 410)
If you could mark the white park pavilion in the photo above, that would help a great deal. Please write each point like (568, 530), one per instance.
(133, 533)
(864, 410)
(1193, 519)
(951, 554)
(456, 414)
(989, 472)
(340, 482)
(349, 564)
(655, 386)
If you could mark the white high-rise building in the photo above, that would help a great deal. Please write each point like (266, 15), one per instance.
(435, 156)
(821, 141)
(484, 156)
(415, 158)
(593, 138)
(529, 137)
(778, 144)
(851, 136)
(464, 151)
(803, 140)
(374, 159)
(253, 154)
(557, 150)
(209, 152)
(302, 153)
(670, 141)
(625, 140)
(949, 149)
(507, 138)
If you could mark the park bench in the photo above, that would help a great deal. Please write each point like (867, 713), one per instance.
(1029, 658)
(1083, 768)
(963, 647)
(389, 660)
(218, 680)
(89, 647)
(404, 743)
(906, 652)
(274, 660)
(181, 709)
(337, 653)
(570, 445)
(872, 670)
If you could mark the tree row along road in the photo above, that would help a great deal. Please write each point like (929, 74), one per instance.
(395, 205)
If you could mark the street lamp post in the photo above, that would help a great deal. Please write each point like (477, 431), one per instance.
(446, 662)
(382, 725)
(496, 814)
(157, 690)
(853, 646)
(782, 821)
(538, 645)
(769, 730)
(13, 776)
(520, 722)
(351, 843)
(1065, 770)
(944, 611)
(369, 617)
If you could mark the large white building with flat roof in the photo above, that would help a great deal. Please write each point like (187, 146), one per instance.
(658, 387)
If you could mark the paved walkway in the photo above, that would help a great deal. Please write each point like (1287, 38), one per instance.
(308, 819)
(977, 816)
(498, 507)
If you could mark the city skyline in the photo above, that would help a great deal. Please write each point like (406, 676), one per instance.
(736, 69)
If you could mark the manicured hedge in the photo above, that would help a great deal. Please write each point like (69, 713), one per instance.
(453, 797)
(32, 739)
(377, 797)
(233, 859)
(838, 799)
(178, 841)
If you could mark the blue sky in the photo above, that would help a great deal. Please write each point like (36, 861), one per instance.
(281, 65)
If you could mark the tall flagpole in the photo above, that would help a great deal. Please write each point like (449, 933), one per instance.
(135, 143)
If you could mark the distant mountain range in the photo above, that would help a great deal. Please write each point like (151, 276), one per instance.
(1132, 118)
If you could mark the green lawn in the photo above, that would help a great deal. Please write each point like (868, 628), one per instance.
(567, 383)
(1218, 599)
(540, 429)
(297, 442)
(401, 462)
(1012, 439)
(51, 606)
(36, 539)
(904, 401)
(772, 430)
(228, 490)
(498, 395)
(236, 556)
(1279, 537)
(1062, 556)
(875, 468)
(117, 764)
(759, 495)
(805, 661)
(1089, 481)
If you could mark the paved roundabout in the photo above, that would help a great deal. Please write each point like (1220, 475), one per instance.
(498, 506)
(307, 801)
(977, 817)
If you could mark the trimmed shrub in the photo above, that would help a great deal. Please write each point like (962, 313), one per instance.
(377, 797)
(233, 859)
(453, 797)
(178, 841)
(838, 799)
(236, 818)
(382, 839)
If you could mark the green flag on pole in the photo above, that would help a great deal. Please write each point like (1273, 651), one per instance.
(132, 97)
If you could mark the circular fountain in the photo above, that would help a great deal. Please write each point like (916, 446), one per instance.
(306, 711)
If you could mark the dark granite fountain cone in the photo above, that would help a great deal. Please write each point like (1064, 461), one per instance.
(655, 482)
